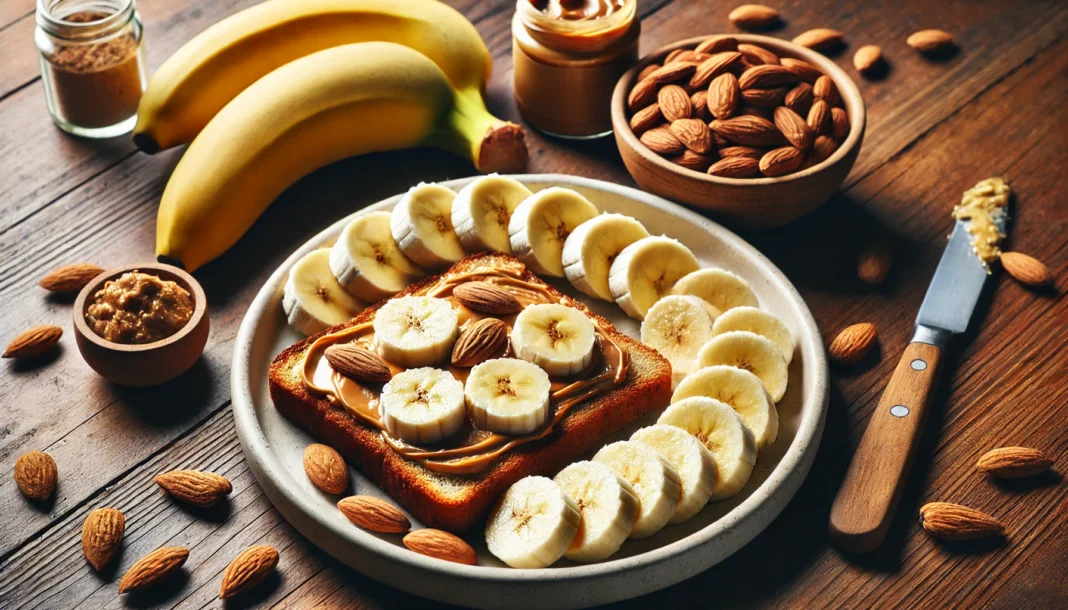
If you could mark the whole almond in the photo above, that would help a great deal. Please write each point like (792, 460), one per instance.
(735, 167)
(822, 148)
(723, 95)
(804, 70)
(765, 98)
(819, 118)
(719, 141)
(102, 534)
(374, 514)
(646, 118)
(485, 297)
(441, 545)
(793, 127)
(781, 161)
(853, 343)
(713, 67)
(153, 568)
(687, 56)
(36, 475)
(1014, 462)
(839, 124)
(693, 161)
(700, 105)
(670, 73)
(673, 56)
(748, 131)
(357, 363)
(765, 77)
(643, 93)
(33, 341)
(868, 59)
(194, 487)
(479, 342)
(741, 151)
(646, 71)
(251, 567)
(1027, 270)
(674, 103)
(799, 99)
(873, 264)
(955, 522)
(819, 39)
(754, 16)
(694, 135)
(931, 41)
(758, 55)
(826, 90)
(717, 44)
(325, 468)
(70, 278)
(662, 141)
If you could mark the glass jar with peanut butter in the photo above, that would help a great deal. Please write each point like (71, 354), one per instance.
(568, 55)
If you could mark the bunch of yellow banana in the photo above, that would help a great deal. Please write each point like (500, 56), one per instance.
(281, 89)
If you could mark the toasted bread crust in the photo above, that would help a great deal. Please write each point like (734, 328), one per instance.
(456, 502)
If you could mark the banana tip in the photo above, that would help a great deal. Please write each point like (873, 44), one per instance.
(503, 150)
(146, 143)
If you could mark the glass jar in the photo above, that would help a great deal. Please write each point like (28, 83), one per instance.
(568, 55)
(92, 64)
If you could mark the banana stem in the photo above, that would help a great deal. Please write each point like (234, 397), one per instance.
(492, 145)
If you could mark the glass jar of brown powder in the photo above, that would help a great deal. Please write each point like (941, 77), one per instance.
(92, 64)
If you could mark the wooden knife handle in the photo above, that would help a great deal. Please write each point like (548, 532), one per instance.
(865, 503)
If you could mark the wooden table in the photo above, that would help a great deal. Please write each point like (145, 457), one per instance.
(935, 128)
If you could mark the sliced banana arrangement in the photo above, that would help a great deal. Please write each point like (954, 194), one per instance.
(760, 322)
(654, 479)
(482, 210)
(423, 405)
(542, 223)
(533, 524)
(508, 395)
(368, 263)
(416, 331)
(312, 298)
(740, 389)
(608, 507)
(720, 430)
(752, 352)
(646, 271)
(590, 249)
(678, 326)
(421, 224)
(555, 337)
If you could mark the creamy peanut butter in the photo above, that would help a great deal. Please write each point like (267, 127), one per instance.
(470, 450)
(984, 204)
(139, 308)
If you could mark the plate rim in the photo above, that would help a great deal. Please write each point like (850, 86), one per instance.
(799, 455)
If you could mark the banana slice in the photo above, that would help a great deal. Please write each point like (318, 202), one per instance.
(722, 289)
(416, 331)
(740, 389)
(751, 352)
(590, 249)
(507, 395)
(646, 270)
(678, 326)
(482, 210)
(609, 508)
(720, 430)
(654, 479)
(541, 224)
(423, 405)
(555, 337)
(760, 322)
(312, 298)
(421, 225)
(692, 460)
(367, 262)
(532, 524)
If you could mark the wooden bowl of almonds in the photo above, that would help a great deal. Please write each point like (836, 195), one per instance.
(758, 130)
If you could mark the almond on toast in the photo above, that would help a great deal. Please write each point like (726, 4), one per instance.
(456, 502)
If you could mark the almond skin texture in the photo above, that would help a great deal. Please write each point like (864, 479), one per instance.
(741, 151)
(839, 124)
(646, 118)
(662, 141)
(748, 131)
(819, 118)
(153, 568)
(799, 99)
(1014, 462)
(374, 515)
(643, 94)
(326, 469)
(868, 59)
(36, 475)
(717, 44)
(754, 16)
(646, 71)
(723, 96)
(694, 135)
(735, 167)
(793, 127)
(193, 487)
(826, 90)
(247, 570)
(70, 278)
(484, 297)
(713, 67)
(674, 103)
(822, 148)
(819, 39)
(853, 343)
(700, 105)
(781, 161)
(1027, 270)
(33, 341)
(758, 55)
(441, 545)
(931, 41)
(766, 77)
(691, 160)
(768, 99)
(479, 342)
(804, 70)
(949, 521)
(102, 536)
(670, 73)
(873, 264)
(357, 363)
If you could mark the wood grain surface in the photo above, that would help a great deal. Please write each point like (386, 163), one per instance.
(935, 127)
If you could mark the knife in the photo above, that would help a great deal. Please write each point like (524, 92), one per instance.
(865, 503)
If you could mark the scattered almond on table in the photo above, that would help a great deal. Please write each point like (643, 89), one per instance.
(36, 475)
(1027, 270)
(820, 39)
(441, 545)
(873, 264)
(853, 343)
(374, 514)
(931, 42)
(868, 59)
(203, 489)
(154, 568)
(102, 534)
(1014, 462)
(948, 521)
(70, 278)
(33, 341)
(250, 568)
(754, 16)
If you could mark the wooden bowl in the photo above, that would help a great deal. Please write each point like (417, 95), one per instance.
(144, 364)
(749, 203)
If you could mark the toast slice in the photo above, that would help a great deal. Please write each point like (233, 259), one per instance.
(456, 502)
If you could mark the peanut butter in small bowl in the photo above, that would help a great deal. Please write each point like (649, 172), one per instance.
(139, 308)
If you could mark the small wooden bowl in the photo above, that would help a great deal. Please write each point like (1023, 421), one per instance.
(750, 203)
(145, 364)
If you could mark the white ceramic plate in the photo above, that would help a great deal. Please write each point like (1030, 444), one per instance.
(274, 447)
